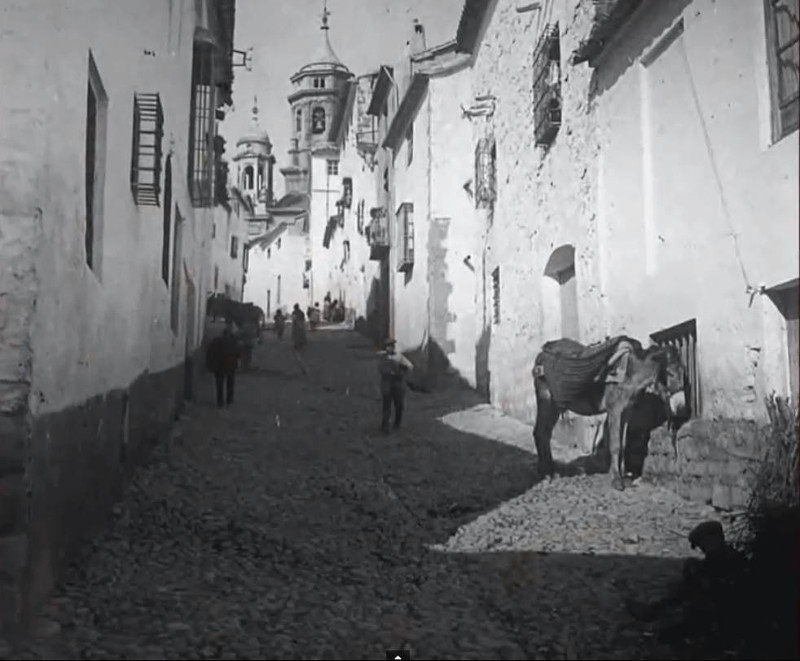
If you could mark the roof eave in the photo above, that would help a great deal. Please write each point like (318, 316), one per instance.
(406, 111)
(380, 92)
(609, 17)
(470, 25)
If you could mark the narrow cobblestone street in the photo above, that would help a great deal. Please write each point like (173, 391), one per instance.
(288, 527)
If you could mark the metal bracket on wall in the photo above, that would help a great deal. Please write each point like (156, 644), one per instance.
(247, 59)
(483, 106)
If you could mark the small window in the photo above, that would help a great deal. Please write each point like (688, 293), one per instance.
(783, 51)
(318, 122)
(234, 247)
(333, 167)
(269, 253)
(405, 225)
(345, 252)
(245, 258)
(216, 278)
(410, 143)
(360, 217)
(177, 262)
(247, 177)
(166, 227)
(213, 230)
(278, 293)
(684, 338)
(298, 120)
(496, 295)
(95, 163)
(319, 83)
(547, 86)
(485, 173)
(278, 245)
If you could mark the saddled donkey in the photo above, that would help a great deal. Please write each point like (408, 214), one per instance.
(608, 377)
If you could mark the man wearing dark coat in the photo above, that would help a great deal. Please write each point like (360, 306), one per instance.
(222, 358)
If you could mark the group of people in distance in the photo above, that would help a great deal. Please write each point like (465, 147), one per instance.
(225, 351)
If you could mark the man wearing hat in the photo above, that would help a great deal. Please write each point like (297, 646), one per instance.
(393, 368)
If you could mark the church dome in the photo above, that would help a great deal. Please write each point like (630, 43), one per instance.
(324, 58)
(255, 132)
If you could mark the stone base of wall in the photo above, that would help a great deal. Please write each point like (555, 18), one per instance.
(715, 463)
(76, 462)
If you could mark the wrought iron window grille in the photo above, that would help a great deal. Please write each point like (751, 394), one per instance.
(146, 152)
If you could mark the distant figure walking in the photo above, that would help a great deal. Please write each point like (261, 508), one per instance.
(299, 338)
(280, 323)
(393, 368)
(222, 358)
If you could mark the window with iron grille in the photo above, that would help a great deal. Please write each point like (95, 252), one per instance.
(201, 127)
(783, 46)
(95, 163)
(496, 295)
(405, 228)
(684, 338)
(485, 177)
(234, 247)
(547, 86)
(148, 131)
(347, 192)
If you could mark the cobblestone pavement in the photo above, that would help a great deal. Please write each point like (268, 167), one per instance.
(288, 527)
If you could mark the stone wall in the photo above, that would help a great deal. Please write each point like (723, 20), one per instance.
(546, 198)
(715, 461)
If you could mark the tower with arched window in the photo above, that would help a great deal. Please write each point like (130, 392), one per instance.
(315, 102)
(254, 163)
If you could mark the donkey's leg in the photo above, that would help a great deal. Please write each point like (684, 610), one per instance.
(615, 446)
(546, 418)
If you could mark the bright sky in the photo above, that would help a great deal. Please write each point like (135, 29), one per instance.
(284, 34)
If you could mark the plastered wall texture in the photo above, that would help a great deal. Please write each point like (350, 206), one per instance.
(354, 280)
(653, 170)
(228, 224)
(91, 368)
(545, 199)
(453, 245)
(411, 292)
(267, 262)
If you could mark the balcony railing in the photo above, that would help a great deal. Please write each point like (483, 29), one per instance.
(378, 233)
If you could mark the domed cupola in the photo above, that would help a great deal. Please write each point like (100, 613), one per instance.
(254, 161)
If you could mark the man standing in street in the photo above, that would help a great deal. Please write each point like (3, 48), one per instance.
(222, 359)
(392, 367)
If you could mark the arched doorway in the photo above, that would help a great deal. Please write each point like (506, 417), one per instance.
(561, 293)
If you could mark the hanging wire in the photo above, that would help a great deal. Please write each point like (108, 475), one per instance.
(749, 289)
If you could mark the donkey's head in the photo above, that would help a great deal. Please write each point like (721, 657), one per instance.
(672, 384)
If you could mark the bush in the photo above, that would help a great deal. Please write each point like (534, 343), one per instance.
(769, 538)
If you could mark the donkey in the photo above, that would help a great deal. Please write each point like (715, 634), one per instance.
(606, 378)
